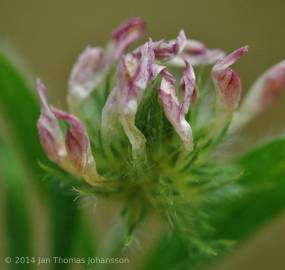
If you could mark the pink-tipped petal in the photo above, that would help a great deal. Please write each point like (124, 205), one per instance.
(230, 59)
(77, 142)
(78, 147)
(209, 57)
(156, 70)
(189, 87)
(43, 99)
(174, 110)
(87, 73)
(126, 92)
(270, 86)
(194, 47)
(227, 81)
(134, 74)
(72, 154)
(167, 50)
(93, 63)
(197, 54)
(135, 26)
(125, 35)
(263, 94)
(50, 134)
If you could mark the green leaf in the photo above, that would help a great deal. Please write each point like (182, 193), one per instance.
(17, 216)
(231, 219)
(264, 197)
(20, 109)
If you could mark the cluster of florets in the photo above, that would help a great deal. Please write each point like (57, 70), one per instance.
(136, 132)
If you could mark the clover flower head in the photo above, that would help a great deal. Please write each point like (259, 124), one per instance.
(133, 133)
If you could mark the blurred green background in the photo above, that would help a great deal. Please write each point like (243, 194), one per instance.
(46, 37)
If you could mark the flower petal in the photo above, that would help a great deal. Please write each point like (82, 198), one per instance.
(174, 110)
(78, 146)
(194, 47)
(197, 54)
(268, 87)
(134, 72)
(230, 59)
(209, 57)
(87, 73)
(263, 94)
(189, 87)
(125, 35)
(51, 136)
(166, 50)
(109, 115)
(227, 81)
(156, 70)
(93, 63)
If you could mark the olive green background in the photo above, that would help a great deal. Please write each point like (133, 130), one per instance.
(47, 36)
